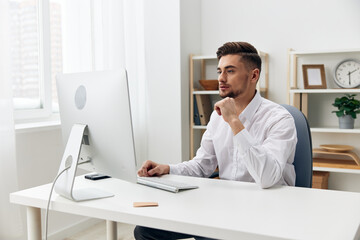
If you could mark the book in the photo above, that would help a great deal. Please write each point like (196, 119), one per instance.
(196, 113)
(204, 108)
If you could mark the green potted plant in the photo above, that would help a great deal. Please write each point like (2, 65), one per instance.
(348, 107)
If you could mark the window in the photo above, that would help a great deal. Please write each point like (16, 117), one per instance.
(36, 56)
(59, 36)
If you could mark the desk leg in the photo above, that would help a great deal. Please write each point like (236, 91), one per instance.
(33, 223)
(111, 230)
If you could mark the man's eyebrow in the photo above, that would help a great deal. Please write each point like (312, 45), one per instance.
(226, 67)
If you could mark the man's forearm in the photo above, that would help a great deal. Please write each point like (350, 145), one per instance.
(236, 126)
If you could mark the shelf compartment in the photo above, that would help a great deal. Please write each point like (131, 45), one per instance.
(335, 163)
(351, 155)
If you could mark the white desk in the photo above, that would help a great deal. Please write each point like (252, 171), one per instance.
(218, 209)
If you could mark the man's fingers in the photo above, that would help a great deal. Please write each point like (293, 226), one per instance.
(143, 171)
(218, 110)
(150, 168)
(154, 171)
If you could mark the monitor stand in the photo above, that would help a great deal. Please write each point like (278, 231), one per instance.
(64, 185)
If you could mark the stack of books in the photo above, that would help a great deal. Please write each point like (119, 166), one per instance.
(202, 109)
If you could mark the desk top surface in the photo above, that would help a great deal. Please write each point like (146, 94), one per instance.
(218, 208)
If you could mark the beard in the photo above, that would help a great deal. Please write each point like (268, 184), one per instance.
(231, 94)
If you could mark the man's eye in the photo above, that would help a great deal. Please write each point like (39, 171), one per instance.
(218, 72)
(230, 71)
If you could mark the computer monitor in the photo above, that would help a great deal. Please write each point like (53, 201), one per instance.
(97, 128)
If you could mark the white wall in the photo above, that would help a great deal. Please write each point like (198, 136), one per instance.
(172, 32)
(162, 46)
(190, 20)
(274, 26)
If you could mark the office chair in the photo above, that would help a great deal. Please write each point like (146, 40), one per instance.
(303, 161)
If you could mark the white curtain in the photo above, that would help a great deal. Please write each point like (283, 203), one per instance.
(134, 44)
(10, 220)
(108, 35)
(118, 42)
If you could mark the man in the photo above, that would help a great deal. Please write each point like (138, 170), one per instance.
(248, 138)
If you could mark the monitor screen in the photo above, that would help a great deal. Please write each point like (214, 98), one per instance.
(100, 100)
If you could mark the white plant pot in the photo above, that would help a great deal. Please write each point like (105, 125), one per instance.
(346, 122)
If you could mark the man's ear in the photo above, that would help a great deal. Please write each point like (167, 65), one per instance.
(255, 75)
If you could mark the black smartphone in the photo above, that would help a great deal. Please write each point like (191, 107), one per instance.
(96, 176)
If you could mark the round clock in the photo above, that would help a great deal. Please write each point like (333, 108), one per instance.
(347, 73)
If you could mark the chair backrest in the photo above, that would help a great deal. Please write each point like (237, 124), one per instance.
(303, 160)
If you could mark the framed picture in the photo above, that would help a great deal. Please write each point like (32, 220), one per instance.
(314, 76)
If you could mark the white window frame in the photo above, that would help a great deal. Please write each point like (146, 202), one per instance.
(44, 113)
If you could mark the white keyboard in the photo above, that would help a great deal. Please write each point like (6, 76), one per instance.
(164, 184)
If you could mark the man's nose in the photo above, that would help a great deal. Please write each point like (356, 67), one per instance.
(222, 77)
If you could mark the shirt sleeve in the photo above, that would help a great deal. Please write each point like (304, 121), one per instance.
(266, 160)
(203, 164)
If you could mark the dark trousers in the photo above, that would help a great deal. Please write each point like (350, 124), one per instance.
(145, 233)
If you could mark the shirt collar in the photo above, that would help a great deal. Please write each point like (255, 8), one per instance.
(248, 113)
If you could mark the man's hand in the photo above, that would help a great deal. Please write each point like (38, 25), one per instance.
(150, 168)
(227, 109)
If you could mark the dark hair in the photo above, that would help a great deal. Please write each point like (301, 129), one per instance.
(248, 53)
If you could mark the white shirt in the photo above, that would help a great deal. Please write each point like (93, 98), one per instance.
(263, 152)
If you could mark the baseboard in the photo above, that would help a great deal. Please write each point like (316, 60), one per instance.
(73, 229)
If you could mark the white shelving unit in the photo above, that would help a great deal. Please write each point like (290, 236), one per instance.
(316, 104)
(204, 67)
(200, 68)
